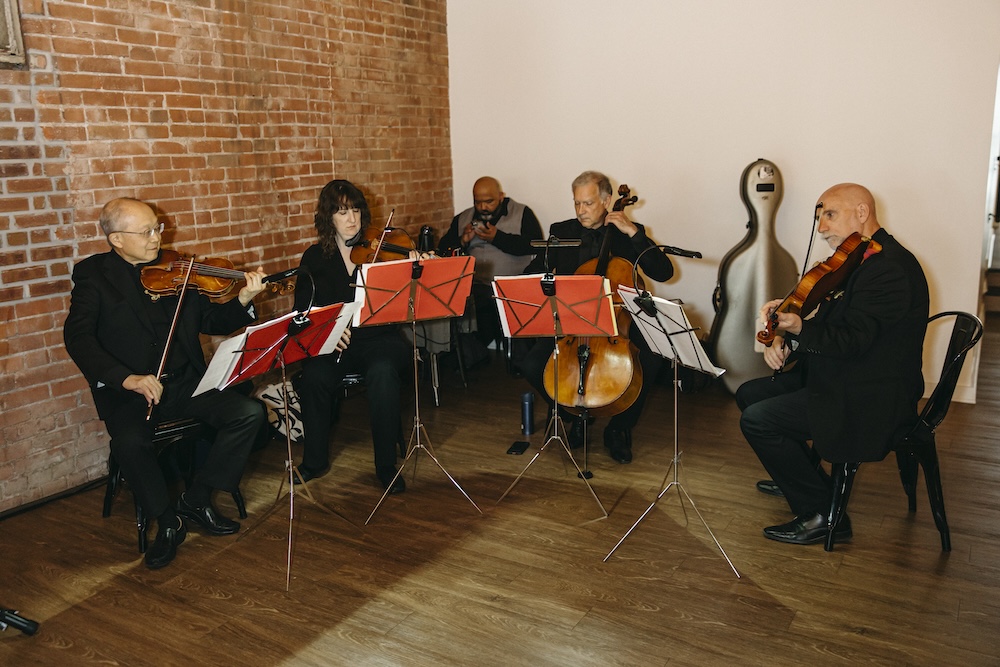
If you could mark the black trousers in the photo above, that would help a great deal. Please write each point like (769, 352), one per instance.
(235, 417)
(386, 362)
(775, 422)
(532, 366)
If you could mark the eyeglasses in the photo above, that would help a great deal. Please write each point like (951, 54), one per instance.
(148, 233)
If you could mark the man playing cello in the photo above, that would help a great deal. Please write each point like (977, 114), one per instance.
(592, 194)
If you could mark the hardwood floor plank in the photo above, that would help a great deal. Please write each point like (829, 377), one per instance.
(430, 581)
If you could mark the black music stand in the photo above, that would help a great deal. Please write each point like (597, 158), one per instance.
(548, 305)
(666, 328)
(265, 347)
(414, 291)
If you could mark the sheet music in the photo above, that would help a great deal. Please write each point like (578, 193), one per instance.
(582, 305)
(223, 367)
(407, 290)
(343, 321)
(227, 355)
(669, 332)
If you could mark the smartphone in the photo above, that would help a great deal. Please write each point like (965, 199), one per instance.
(519, 447)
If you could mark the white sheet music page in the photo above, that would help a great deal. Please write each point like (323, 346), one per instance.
(669, 332)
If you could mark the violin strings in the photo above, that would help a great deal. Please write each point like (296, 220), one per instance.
(215, 271)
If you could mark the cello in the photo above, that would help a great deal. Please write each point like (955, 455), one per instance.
(600, 376)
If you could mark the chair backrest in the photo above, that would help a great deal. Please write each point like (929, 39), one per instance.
(965, 333)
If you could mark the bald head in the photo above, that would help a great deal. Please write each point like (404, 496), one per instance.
(116, 214)
(487, 196)
(844, 209)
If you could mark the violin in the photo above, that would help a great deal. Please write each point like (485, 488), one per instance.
(600, 376)
(821, 281)
(213, 277)
(382, 245)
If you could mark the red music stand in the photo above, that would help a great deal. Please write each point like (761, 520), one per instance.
(264, 347)
(548, 305)
(413, 291)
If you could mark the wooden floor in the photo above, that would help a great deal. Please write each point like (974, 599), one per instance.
(431, 581)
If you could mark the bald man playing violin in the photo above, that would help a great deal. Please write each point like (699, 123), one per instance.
(116, 334)
(854, 386)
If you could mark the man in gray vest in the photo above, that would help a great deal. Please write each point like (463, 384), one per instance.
(497, 231)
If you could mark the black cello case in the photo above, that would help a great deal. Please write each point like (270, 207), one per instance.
(757, 270)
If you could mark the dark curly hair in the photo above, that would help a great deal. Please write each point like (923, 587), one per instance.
(336, 195)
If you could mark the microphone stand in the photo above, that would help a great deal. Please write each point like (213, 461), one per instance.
(645, 299)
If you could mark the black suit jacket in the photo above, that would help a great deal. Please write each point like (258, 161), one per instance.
(109, 335)
(863, 357)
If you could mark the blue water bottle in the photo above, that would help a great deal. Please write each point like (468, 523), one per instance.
(528, 413)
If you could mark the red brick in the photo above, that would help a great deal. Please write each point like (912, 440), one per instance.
(234, 151)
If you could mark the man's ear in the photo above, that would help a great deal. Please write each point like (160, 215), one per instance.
(863, 212)
(115, 240)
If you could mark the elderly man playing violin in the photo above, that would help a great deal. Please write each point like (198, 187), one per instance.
(117, 336)
(857, 379)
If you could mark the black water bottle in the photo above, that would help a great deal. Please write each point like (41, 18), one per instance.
(527, 413)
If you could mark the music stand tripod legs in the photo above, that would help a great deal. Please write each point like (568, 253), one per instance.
(554, 423)
(418, 437)
(291, 474)
(659, 332)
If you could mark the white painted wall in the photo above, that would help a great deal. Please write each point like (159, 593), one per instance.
(676, 97)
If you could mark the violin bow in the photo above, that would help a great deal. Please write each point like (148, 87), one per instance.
(173, 327)
(385, 232)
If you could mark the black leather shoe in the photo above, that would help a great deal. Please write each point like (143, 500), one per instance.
(808, 529)
(165, 545)
(619, 443)
(207, 517)
(385, 475)
(770, 487)
(306, 474)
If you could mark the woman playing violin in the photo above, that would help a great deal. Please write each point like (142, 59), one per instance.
(326, 275)
(854, 389)
(592, 195)
(117, 334)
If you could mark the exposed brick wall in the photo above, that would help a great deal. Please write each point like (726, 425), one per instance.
(229, 115)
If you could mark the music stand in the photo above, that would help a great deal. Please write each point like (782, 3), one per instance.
(411, 291)
(549, 305)
(666, 328)
(264, 347)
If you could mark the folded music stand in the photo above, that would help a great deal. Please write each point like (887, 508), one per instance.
(666, 328)
(549, 305)
(261, 349)
(414, 291)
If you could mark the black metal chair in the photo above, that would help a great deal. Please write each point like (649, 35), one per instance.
(918, 448)
(167, 438)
